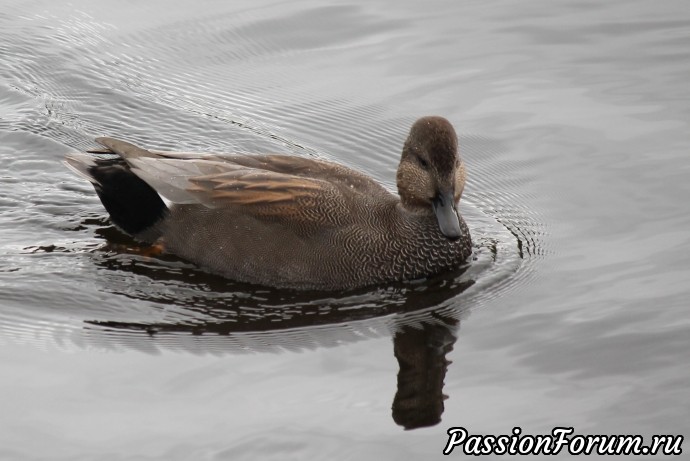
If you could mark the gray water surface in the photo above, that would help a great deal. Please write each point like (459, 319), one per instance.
(574, 122)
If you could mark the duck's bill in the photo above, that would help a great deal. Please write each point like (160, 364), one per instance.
(447, 215)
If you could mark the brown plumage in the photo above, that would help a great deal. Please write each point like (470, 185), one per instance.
(287, 221)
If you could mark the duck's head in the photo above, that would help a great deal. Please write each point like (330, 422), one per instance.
(431, 175)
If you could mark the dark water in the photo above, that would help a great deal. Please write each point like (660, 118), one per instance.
(574, 122)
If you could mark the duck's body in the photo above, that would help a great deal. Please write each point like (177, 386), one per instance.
(287, 221)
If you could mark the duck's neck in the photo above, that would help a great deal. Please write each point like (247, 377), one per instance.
(415, 208)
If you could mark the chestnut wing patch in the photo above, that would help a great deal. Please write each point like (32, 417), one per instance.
(214, 182)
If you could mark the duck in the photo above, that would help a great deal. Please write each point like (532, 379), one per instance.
(290, 222)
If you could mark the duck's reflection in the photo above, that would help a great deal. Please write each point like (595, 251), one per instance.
(421, 352)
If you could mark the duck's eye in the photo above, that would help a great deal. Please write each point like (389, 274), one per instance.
(423, 162)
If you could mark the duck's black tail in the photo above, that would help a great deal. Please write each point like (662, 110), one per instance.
(133, 205)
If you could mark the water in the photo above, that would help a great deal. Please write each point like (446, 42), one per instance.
(573, 122)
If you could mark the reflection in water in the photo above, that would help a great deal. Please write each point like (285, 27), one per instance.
(420, 348)
(421, 352)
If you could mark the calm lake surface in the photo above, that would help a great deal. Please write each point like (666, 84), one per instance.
(573, 120)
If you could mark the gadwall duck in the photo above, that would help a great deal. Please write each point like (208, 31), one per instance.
(291, 222)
